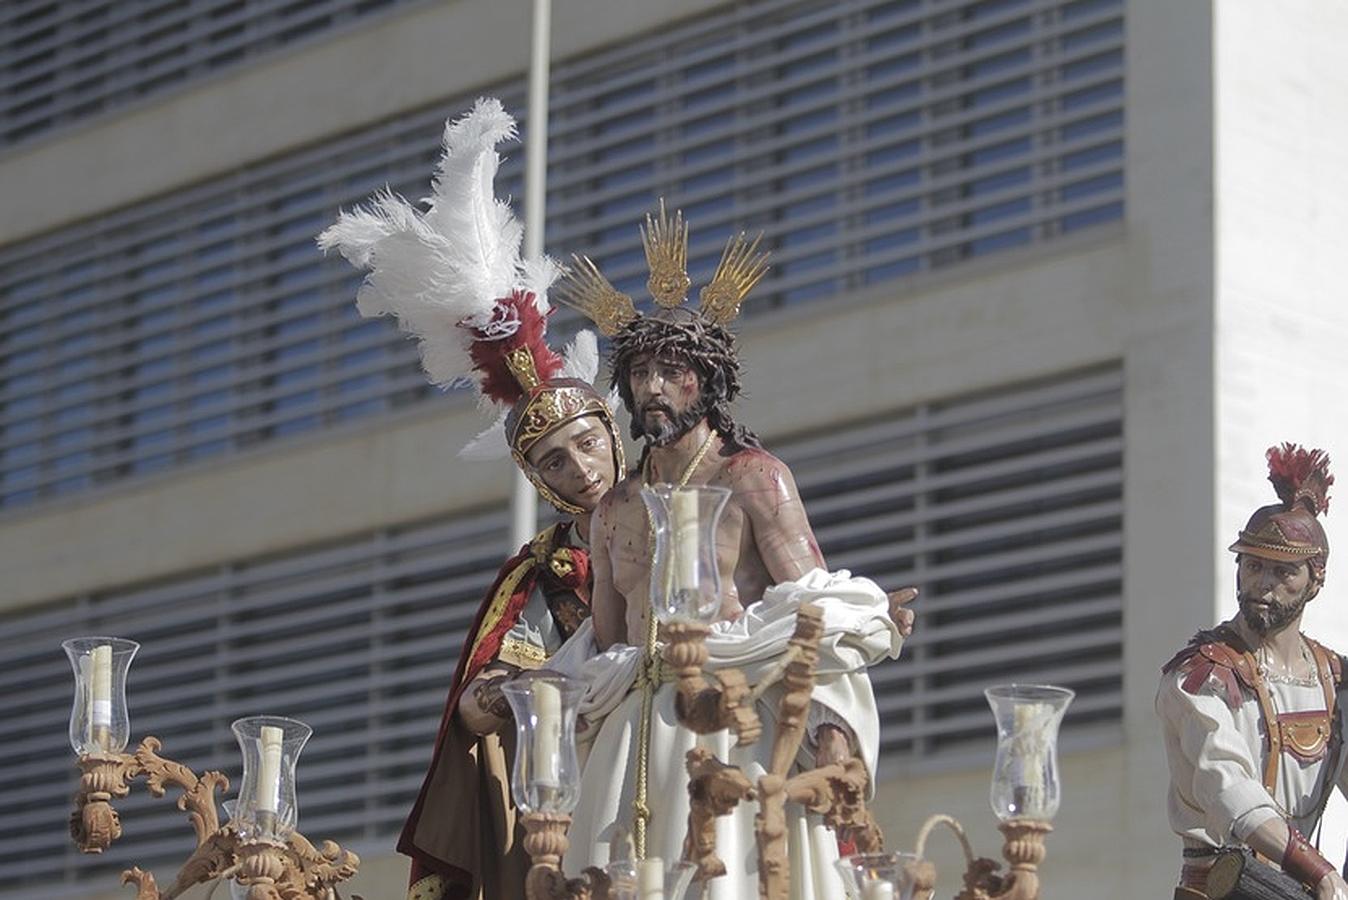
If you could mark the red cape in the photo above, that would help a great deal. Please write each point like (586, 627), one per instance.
(462, 825)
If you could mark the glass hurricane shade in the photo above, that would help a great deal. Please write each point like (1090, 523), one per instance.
(267, 807)
(1025, 782)
(685, 578)
(877, 876)
(650, 879)
(545, 776)
(98, 719)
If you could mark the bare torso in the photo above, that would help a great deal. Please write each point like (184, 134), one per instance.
(763, 538)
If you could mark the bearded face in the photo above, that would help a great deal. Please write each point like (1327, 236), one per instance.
(667, 399)
(1272, 593)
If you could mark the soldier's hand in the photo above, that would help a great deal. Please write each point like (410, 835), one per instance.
(832, 746)
(899, 613)
(1331, 887)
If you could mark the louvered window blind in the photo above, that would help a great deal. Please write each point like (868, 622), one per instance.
(870, 140)
(69, 62)
(1005, 508)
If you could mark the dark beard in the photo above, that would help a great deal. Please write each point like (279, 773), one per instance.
(672, 427)
(1265, 620)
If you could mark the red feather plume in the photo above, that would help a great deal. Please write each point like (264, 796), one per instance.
(1300, 475)
(489, 356)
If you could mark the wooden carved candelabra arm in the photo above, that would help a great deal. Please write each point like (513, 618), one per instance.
(270, 869)
(835, 791)
(983, 879)
(774, 871)
(701, 708)
(94, 824)
(838, 793)
(545, 841)
(714, 789)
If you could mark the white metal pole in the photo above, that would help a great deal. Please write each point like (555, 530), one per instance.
(524, 500)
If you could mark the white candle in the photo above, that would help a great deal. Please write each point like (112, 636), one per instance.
(87, 695)
(102, 679)
(683, 510)
(547, 733)
(878, 890)
(1029, 722)
(651, 879)
(269, 773)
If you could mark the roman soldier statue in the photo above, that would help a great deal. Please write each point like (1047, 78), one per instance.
(1250, 709)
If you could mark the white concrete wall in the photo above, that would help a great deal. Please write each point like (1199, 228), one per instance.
(1281, 98)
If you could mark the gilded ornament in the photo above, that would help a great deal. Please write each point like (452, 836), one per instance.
(587, 291)
(742, 266)
(666, 243)
(520, 362)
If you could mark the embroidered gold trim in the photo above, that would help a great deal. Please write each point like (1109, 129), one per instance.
(432, 887)
(522, 654)
(502, 598)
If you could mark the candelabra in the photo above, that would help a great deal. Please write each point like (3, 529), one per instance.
(1025, 796)
(259, 848)
(545, 782)
(685, 596)
(685, 593)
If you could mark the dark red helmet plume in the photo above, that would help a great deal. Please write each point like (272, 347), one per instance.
(1300, 476)
(518, 322)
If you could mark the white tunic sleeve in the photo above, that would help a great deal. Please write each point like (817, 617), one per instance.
(1215, 776)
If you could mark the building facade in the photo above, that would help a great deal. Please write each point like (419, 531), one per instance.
(1033, 260)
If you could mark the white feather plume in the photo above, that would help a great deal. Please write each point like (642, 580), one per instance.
(580, 359)
(448, 265)
(490, 443)
(537, 276)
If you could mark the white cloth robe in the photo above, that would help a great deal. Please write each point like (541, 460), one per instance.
(857, 633)
(1216, 756)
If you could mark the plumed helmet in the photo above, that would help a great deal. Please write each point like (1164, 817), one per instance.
(450, 270)
(520, 372)
(1290, 531)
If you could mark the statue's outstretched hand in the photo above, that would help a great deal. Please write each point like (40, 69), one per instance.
(899, 613)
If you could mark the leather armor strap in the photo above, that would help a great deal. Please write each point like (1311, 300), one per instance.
(1272, 733)
(1302, 861)
(1329, 667)
(1328, 673)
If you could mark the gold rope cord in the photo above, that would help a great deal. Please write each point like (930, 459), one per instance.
(649, 677)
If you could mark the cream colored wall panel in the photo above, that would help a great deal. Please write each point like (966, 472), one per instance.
(1043, 312)
(334, 485)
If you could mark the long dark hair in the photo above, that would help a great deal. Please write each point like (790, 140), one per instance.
(683, 335)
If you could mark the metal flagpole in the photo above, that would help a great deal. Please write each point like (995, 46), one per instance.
(524, 500)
